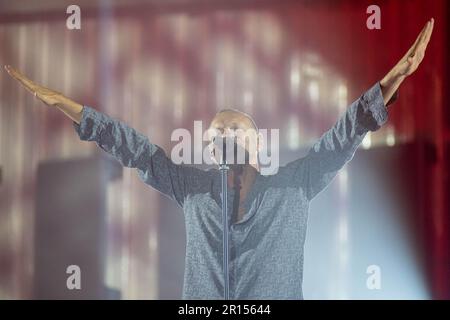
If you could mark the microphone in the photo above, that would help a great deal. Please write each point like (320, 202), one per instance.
(227, 155)
(221, 143)
(223, 160)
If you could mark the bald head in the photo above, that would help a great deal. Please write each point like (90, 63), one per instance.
(240, 125)
(235, 118)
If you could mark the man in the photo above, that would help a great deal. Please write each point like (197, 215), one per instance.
(268, 213)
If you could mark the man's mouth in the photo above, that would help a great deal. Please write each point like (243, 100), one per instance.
(228, 150)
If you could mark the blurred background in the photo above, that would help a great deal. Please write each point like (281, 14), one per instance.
(159, 65)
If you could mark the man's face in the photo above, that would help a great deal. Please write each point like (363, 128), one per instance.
(234, 125)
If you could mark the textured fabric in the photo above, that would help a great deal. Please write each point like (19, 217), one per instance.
(266, 246)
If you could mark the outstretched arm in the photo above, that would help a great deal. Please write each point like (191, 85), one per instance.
(131, 148)
(368, 113)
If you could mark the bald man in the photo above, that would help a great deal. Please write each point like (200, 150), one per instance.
(268, 214)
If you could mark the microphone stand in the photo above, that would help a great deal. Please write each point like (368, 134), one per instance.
(223, 167)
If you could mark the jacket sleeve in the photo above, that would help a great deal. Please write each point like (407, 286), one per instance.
(337, 146)
(134, 150)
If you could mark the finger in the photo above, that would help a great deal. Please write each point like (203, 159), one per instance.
(430, 32)
(27, 83)
(21, 78)
(411, 50)
(427, 37)
(421, 39)
(427, 34)
(416, 42)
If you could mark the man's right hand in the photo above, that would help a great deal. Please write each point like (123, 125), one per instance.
(50, 97)
(47, 96)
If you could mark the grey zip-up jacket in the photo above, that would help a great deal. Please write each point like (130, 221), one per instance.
(266, 245)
